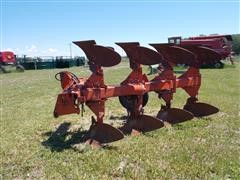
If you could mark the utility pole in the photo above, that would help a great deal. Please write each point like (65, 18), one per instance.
(70, 48)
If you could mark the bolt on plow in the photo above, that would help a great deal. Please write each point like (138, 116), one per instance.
(133, 91)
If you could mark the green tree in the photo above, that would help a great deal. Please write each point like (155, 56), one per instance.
(236, 43)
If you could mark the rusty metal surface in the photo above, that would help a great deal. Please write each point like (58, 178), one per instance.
(104, 133)
(100, 55)
(208, 55)
(87, 47)
(129, 48)
(141, 55)
(84, 43)
(175, 54)
(65, 105)
(93, 91)
(148, 56)
(105, 57)
(204, 55)
(174, 115)
(143, 123)
(201, 109)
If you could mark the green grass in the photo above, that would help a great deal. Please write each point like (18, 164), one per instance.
(203, 148)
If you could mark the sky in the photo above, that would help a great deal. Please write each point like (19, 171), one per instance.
(47, 28)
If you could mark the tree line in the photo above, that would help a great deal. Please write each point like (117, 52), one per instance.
(236, 43)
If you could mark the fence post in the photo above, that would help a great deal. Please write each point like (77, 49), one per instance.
(35, 64)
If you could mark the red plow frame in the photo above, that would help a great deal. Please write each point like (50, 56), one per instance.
(133, 91)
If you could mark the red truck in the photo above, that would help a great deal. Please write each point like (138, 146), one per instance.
(7, 58)
(219, 43)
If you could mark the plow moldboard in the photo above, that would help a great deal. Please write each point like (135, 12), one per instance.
(175, 115)
(104, 133)
(201, 109)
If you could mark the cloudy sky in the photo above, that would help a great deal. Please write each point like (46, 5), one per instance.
(47, 28)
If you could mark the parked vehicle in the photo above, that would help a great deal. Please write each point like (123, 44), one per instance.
(7, 58)
(219, 43)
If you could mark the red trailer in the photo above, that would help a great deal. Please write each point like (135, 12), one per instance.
(219, 43)
(7, 58)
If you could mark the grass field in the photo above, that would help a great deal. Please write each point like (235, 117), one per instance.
(203, 148)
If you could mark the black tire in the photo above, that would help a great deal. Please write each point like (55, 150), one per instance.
(128, 101)
(20, 68)
(218, 65)
(3, 69)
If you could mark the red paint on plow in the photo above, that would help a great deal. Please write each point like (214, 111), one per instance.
(133, 91)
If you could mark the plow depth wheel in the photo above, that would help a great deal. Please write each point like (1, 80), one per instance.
(128, 101)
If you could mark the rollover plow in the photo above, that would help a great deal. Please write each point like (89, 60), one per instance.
(133, 91)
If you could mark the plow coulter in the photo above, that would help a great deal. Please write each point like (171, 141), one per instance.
(133, 91)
